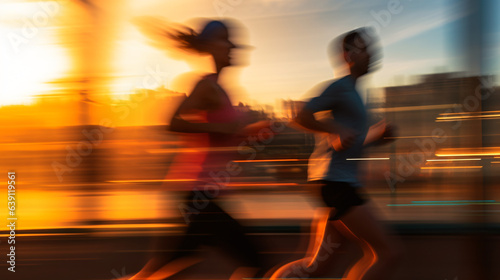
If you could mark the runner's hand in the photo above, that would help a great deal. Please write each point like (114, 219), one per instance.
(344, 139)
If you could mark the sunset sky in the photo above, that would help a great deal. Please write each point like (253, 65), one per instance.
(290, 40)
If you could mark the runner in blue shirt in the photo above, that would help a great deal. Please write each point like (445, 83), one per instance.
(340, 137)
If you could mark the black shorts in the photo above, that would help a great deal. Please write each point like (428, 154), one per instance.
(340, 195)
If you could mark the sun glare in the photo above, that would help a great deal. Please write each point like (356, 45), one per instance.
(30, 57)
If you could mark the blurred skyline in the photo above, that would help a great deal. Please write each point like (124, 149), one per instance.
(290, 39)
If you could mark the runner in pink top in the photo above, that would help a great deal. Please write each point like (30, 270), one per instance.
(207, 223)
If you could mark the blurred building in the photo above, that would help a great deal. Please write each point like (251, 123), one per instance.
(436, 102)
(443, 129)
(291, 108)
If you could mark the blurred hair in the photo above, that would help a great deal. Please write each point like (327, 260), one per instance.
(190, 40)
(350, 39)
(187, 40)
(165, 35)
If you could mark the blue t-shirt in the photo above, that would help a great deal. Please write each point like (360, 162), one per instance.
(348, 110)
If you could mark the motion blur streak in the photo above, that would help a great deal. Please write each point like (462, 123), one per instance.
(88, 89)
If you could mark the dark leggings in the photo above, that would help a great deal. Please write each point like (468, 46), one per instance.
(208, 224)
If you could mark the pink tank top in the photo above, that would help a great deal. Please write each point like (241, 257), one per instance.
(223, 147)
(205, 154)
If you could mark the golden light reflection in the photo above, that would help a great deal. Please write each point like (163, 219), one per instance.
(152, 181)
(269, 160)
(469, 113)
(457, 159)
(368, 158)
(468, 116)
(414, 108)
(41, 210)
(491, 116)
(132, 205)
(451, 167)
(459, 152)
